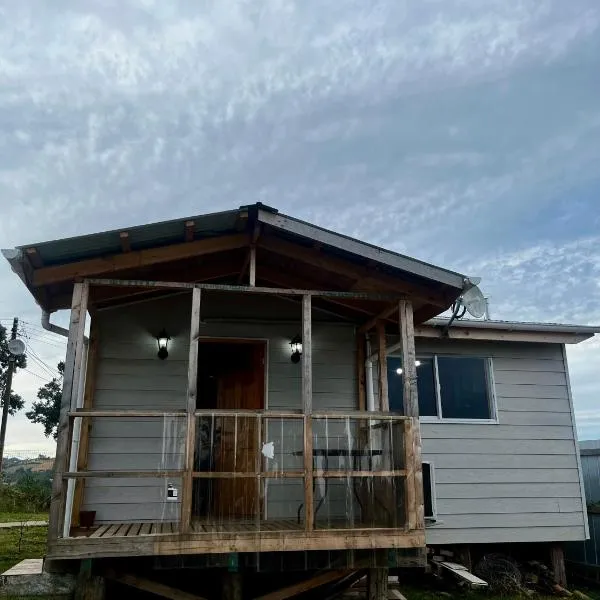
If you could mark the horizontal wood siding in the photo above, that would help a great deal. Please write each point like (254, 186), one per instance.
(517, 480)
(130, 376)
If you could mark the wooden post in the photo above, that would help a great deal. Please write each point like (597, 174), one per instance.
(252, 265)
(89, 586)
(188, 480)
(384, 403)
(70, 383)
(377, 584)
(360, 371)
(415, 502)
(86, 422)
(307, 410)
(232, 586)
(557, 558)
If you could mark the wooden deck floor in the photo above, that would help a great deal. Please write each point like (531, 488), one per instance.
(112, 530)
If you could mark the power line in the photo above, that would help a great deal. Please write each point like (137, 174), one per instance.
(38, 376)
(52, 372)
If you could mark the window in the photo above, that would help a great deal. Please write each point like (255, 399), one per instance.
(449, 387)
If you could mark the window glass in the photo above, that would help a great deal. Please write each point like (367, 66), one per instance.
(425, 386)
(463, 388)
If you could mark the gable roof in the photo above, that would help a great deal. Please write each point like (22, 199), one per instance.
(286, 246)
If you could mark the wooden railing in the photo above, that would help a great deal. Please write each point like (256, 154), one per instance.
(249, 467)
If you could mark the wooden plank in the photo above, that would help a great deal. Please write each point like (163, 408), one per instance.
(272, 291)
(307, 410)
(125, 242)
(86, 424)
(126, 413)
(146, 529)
(123, 529)
(382, 316)
(100, 531)
(304, 586)
(134, 529)
(138, 258)
(112, 530)
(213, 543)
(344, 474)
(70, 379)
(153, 587)
(361, 371)
(192, 392)
(411, 516)
(384, 403)
(120, 474)
(252, 266)
(190, 228)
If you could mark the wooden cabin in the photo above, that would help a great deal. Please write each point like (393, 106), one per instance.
(225, 408)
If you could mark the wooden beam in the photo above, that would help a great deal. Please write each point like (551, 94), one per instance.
(342, 267)
(69, 392)
(361, 371)
(252, 280)
(190, 229)
(137, 258)
(557, 558)
(377, 584)
(304, 586)
(34, 258)
(153, 587)
(120, 474)
(416, 511)
(385, 314)
(86, 424)
(192, 393)
(307, 411)
(125, 242)
(384, 402)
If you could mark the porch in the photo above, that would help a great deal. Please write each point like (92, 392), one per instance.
(231, 478)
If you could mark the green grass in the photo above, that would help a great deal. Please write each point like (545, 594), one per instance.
(33, 545)
(18, 517)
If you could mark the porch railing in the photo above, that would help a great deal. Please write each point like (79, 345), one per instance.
(248, 468)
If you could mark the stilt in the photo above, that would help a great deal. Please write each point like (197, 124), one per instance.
(89, 586)
(462, 555)
(232, 586)
(377, 584)
(557, 557)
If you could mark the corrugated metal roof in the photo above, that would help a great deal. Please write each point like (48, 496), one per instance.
(517, 326)
(140, 237)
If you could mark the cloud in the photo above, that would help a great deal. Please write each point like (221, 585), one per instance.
(460, 132)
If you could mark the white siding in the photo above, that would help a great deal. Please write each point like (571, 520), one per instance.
(516, 480)
(131, 376)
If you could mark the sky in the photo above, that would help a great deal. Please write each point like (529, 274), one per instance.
(460, 132)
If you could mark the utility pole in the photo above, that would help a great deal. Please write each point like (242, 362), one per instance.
(7, 390)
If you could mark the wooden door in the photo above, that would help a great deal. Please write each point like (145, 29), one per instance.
(240, 386)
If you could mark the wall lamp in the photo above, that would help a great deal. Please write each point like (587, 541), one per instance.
(296, 345)
(163, 343)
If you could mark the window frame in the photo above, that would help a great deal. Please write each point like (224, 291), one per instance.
(491, 390)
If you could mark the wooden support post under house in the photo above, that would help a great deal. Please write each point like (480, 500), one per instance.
(307, 411)
(557, 558)
(232, 586)
(414, 479)
(361, 371)
(188, 479)
(86, 422)
(71, 376)
(89, 586)
(384, 403)
(377, 583)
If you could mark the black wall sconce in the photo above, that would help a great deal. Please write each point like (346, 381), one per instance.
(296, 345)
(163, 343)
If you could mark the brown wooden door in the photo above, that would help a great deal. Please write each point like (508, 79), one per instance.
(240, 386)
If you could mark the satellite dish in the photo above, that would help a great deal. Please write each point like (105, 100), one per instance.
(16, 347)
(474, 302)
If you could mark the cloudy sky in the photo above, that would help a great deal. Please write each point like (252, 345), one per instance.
(461, 132)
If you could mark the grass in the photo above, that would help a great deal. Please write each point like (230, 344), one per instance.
(18, 517)
(33, 545)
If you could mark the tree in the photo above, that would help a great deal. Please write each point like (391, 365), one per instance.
(16, 402)
(47, 410)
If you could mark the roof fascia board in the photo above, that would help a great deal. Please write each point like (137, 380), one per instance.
(500, 335)
(359, 248)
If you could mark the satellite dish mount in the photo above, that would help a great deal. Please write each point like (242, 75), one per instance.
(470, 301)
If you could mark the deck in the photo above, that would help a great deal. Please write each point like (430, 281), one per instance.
(163, 538)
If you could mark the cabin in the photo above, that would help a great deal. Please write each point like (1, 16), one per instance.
(248, 392)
